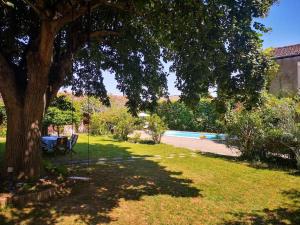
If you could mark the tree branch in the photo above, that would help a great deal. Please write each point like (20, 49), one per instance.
(72, 10)
(59, 72)
(7, 3)
(126, 6)
(62, 65)
(80, 38)
(103, 33)
(38, 10)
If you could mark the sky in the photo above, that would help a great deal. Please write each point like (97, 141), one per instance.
(283, 19)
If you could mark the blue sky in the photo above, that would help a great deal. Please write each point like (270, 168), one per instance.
(283, 18)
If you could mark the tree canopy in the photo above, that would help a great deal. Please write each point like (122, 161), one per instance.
(47, 44)
(210, 43)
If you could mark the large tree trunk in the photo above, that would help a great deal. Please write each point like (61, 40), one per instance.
(25, 107)
(23, 152)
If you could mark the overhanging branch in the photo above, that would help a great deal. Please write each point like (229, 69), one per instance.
(38, 10)
(103, 33)
(72, 10)
(80, 39)
(62, 65)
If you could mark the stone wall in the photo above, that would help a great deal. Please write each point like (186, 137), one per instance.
(288, 78)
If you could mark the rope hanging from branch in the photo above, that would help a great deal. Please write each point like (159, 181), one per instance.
(72, 83)
(89, 71)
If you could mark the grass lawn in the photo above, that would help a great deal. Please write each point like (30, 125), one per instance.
(177, 188)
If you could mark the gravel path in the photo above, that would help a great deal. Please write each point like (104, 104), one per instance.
(197, 145)
(201, 145)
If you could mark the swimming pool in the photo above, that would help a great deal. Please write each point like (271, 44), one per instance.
(198, 135)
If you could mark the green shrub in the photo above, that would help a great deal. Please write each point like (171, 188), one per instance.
(118, 122)
(245, 131)
(207, 116)
(101, 124)
(177, 116)
(124, 125)
(285, 129)
(292, 141)
(136, 138)
(3, 118)
(279, 118)
(156, 127)
(3, 131)
(204, 116)
(272, 129)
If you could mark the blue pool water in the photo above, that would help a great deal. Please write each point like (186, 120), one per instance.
(188, 134)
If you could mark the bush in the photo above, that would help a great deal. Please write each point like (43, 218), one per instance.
(177, 116)
(101, 123)
(135, 138)
(2, 131)
(292, 141)
(272, 129)
(118, 122)
(207, 116)
(124, 125)
(3, 120)
(279, 117)
(245, 130)
(2, 114)
(156, 127)
(204, 116)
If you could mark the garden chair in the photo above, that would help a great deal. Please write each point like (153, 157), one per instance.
(72, 142)
(61, 145)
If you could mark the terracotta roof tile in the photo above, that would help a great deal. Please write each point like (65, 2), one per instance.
(287, 51)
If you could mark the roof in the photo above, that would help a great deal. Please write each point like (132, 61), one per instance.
(287, 51)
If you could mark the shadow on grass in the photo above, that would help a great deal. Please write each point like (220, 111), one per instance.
(218, 156)
(287, 214)
(272, 163)
(147, 142)
(92, 202)
(141, 141)
(84, 151)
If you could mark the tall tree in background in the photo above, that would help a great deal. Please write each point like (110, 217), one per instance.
(60, 113)
(210, 43)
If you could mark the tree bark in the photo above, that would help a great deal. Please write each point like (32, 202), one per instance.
(25, 107)
(23, 142)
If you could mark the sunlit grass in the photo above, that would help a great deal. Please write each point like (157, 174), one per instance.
(171, 190)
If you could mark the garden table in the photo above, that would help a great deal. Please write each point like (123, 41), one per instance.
(50, 142)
